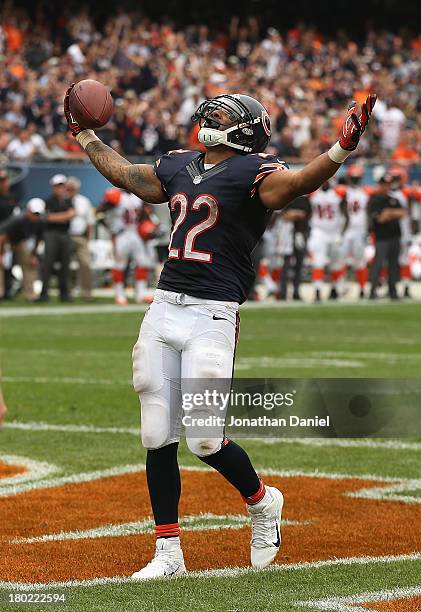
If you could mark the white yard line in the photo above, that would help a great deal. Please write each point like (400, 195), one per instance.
(350, 603)
(200, 522)
(65, 380)
(135, 431)
(218, 573)
(35, 471)
(301, 361)
(344, 443)
(39, 426)
(389, 492)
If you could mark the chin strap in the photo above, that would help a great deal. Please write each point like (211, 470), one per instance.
(211, 137)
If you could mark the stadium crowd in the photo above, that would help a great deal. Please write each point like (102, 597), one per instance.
(158, 74)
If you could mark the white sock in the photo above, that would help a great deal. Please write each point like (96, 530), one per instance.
(168, 542)
(119, 290)
(141, 287)
(266, 499)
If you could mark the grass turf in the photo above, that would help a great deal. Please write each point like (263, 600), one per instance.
(76, 369)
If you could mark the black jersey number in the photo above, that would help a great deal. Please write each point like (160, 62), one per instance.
(188, 251)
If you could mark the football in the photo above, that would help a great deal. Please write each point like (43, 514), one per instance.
(91, 104)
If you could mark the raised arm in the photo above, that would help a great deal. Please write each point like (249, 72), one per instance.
(279, 188)
(140, 179)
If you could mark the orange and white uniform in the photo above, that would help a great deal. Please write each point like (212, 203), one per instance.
(325, 241)
(327, 223)
(122, 219)
(355, 236)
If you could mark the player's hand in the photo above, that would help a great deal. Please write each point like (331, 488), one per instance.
(354, 125)
(74, 127)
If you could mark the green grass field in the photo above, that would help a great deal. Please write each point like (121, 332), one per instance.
(64, 371)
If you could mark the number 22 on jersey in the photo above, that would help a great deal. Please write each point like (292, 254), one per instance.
(188, 252)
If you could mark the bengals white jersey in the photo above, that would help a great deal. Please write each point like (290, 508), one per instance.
(124, 216)
(357, 199)
(326, 211)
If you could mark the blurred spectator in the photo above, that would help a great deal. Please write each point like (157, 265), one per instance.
(7, 205)
(159, 74)
(21, 148)
(23, 232)
(81, 231)
(57, 239)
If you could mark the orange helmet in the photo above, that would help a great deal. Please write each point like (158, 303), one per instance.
(355, 171)
(146, 229)
(112, 196)
(399, 172)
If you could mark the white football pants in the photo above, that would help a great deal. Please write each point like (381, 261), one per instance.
(183, 338)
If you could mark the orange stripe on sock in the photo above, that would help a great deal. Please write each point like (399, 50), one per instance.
(405, 272)
(362, 276)
(254, 499)
(167, 531)
(141, 274)
(317, 274)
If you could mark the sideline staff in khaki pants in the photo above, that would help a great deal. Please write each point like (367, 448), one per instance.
(23, 232)
(81, 228)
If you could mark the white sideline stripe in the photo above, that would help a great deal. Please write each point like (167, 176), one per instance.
(340, 442)
(202, 522)
(36, 471)
(348, 603)
(47, 311)
(65, 380)
(231, 572)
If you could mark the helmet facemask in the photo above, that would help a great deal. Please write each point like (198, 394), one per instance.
(239, 135)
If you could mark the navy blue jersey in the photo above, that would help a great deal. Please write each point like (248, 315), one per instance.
(217, 220)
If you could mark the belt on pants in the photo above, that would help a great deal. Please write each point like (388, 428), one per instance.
(182, 299)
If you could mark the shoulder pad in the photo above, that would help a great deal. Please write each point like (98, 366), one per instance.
(167, 166)
(341, 190)
(257, 166)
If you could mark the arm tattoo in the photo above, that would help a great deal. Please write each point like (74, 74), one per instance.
(121, 173)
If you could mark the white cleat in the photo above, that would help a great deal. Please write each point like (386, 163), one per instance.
(167, 562)
(266, 528)
(121, 301)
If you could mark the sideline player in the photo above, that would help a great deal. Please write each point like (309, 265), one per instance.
(329, 218)
(355, 236)
(123, 212)
(220, 203)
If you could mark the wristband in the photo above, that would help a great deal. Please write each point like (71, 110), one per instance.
(337, 154)
(85, 137)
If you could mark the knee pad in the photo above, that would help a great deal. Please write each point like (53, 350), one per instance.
(155, 421)
(203, 447)
(212, 360)
(146, 378)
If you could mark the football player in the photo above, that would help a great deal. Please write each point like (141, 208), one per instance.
(329, 218)
(123, 212)
(355, 237)
(220, 203)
